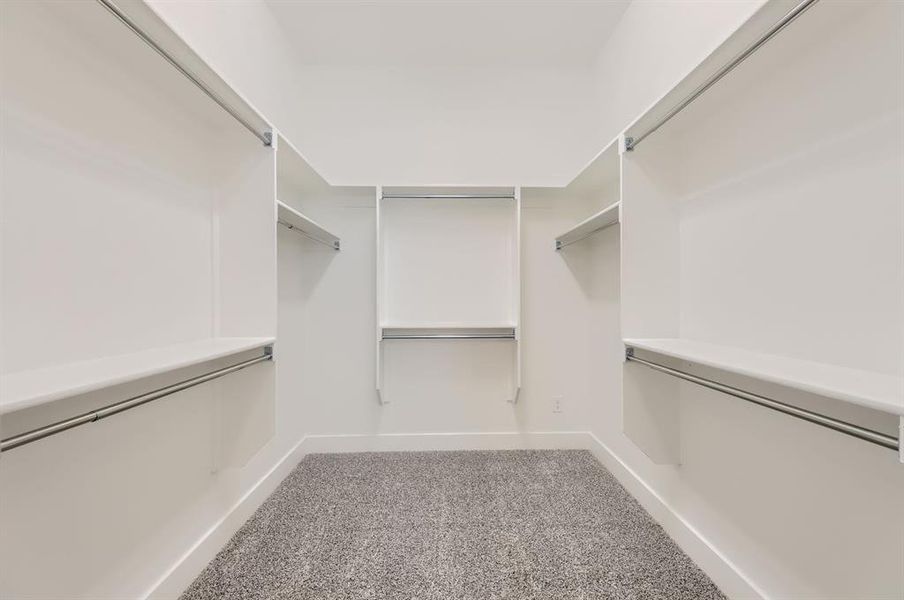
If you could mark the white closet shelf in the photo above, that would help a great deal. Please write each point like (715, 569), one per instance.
(293, 219)
(865, 388)
(604, 218)
(26, 389)
(447, 331)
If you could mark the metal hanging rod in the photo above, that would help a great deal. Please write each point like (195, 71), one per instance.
(262, 134)
(631, 142)
(448, 196)
(123, 405)
(334, 244)
(450, 336)
(869, 435)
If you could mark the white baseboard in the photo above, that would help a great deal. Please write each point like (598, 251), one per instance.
(179, 576)
(724, 573)
(390, 442)
(720, 569)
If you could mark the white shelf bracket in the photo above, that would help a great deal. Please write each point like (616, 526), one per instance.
(378, 308)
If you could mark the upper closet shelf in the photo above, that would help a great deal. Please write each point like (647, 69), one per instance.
(138, 16)
(293, 219)
(865, 388)
(27, 389)
(604, 218)
(766, 22)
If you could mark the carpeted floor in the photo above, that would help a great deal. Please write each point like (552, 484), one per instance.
(551, 524)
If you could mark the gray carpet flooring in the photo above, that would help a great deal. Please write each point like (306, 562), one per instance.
(550, 524)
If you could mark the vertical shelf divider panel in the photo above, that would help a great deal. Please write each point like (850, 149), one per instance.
(316, 286)
(516, 293)
(378, 317)
(650, 300)
(245, 233)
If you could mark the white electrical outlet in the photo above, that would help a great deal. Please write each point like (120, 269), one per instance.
(557, 402)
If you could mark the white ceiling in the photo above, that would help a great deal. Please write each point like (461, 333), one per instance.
(521, 33)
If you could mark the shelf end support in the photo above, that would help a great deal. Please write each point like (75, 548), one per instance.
(901, 439)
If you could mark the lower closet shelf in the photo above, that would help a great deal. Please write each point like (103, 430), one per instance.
(26, 389)
(865, 388)
(447, 332)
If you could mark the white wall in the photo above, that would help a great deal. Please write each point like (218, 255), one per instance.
(656, 43)
(400, 125)
(453, 386)
(418, 125)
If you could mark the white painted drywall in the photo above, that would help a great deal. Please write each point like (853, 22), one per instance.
(404, 124)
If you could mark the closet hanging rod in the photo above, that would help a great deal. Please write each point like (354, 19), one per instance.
(450, 336)
(261, 131)
(123, 405)
(334, 244)
(447, 196)
(875, 437)
(631, 142)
